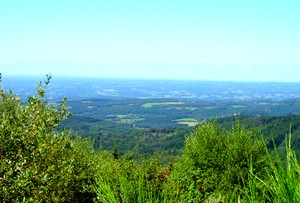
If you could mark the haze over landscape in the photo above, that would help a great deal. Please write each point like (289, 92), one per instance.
(149, 101)
(172, 39)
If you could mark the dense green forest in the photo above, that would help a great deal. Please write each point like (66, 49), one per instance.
(170, 141)
(152, 126)
(223, 160)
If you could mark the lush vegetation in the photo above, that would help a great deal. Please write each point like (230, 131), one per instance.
(170, 141)
(39, 164)
(220, 161)
(127, 125)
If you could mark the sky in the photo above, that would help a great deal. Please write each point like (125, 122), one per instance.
(244, 40)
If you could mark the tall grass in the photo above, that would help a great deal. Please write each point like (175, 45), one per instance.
(282, 183)
(139, 191)
(285, 178)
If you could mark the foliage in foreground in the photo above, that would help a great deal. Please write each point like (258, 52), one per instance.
(39, 164)
(282, 183)
(249, 173)
(214, 163)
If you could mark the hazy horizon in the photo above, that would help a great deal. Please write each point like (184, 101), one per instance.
(41, 77)
(227, 40)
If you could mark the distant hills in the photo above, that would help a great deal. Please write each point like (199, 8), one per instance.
(96, 88)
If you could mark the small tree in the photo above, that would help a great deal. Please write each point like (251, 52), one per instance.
(39, 164)
(216, 160)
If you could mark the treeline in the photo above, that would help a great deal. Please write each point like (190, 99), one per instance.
(218, 164)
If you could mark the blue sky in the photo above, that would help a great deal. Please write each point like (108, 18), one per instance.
(255, 40)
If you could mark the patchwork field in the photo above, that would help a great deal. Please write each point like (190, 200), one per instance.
(161, 113)
(188, 121)
(150, 105)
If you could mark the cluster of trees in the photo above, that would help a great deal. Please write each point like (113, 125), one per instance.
(42, 164)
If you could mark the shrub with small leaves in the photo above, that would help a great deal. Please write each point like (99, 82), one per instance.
(39, 164)
(216, 161)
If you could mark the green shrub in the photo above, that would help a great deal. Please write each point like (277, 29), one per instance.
(216, 162)
(39, 164)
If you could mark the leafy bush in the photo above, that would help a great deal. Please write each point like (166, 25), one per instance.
(216, 162)
(39, 164)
